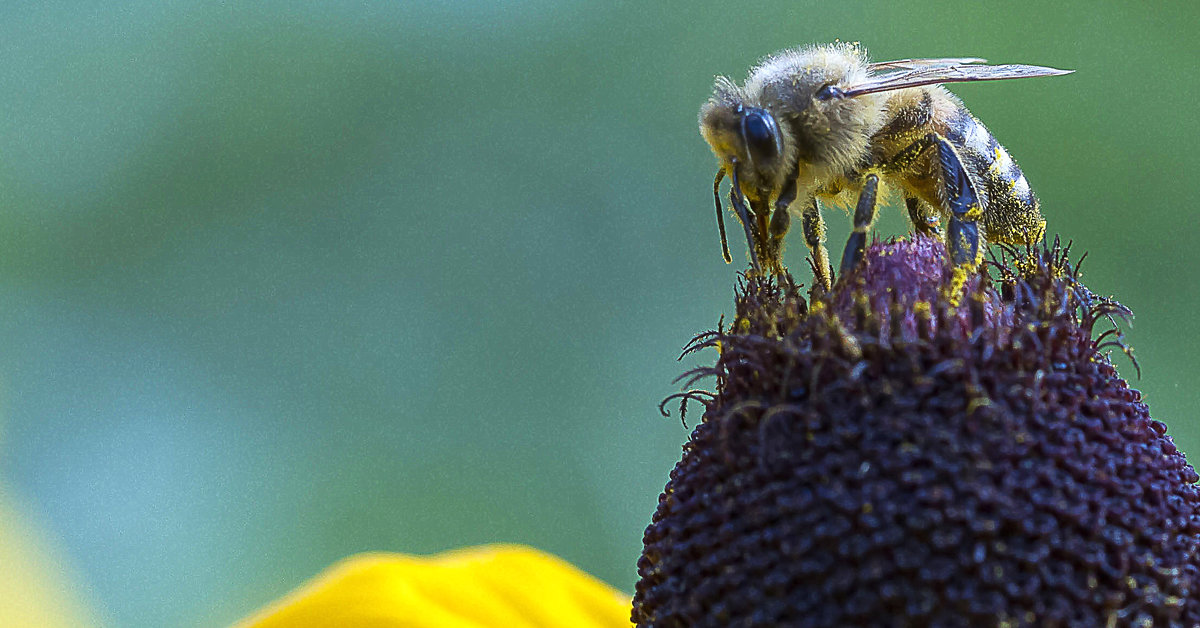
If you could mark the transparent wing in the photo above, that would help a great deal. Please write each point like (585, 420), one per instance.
(933, 74)
(916, 64)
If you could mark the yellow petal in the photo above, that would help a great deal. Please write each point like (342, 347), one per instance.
(35, 584)
(492, 586)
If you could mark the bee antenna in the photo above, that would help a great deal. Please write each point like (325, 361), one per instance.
(721, 216)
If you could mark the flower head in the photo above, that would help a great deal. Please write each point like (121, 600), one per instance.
(877, 456)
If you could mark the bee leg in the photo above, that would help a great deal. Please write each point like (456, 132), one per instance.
(739, 205)
(962, 200)
(743, 214)
(924, 220)
(864, 216)
(721, 216)
(814, 236)
(781, 221)
(762, 230)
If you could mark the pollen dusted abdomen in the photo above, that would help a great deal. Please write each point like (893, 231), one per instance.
(877, 458)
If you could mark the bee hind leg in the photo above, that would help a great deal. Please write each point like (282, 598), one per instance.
(864, 216)
(961, 195)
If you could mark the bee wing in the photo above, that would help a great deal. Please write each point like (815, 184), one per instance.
(933, 74)
(916, 64)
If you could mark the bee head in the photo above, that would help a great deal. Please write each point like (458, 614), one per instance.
(746, 135)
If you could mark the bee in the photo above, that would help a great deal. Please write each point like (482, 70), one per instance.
(824, 124)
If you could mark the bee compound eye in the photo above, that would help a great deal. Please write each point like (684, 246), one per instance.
(829, 92)
(759, 134)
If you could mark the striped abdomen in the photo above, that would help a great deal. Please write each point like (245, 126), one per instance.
(1011, 210)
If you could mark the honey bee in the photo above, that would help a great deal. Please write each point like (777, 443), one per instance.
(824, 123)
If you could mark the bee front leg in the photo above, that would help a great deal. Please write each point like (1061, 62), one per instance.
(762, 230)
(743, 214)
(814, 236)
(781, 221)
(864, 216)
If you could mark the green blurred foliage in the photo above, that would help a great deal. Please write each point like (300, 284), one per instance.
(286, 281)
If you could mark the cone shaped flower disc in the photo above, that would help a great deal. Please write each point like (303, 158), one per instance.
(877, 456)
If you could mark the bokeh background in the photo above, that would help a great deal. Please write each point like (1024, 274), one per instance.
(283, 281)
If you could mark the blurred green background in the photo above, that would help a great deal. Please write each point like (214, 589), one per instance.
(283, 281)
